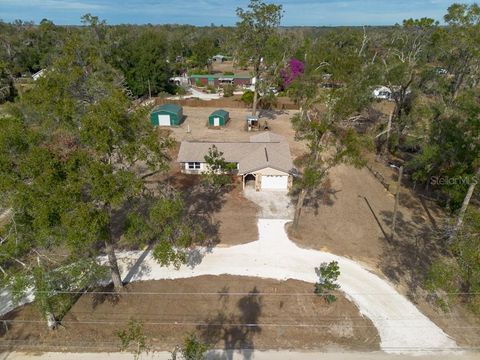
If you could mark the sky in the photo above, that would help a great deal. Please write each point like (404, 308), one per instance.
(222, 12)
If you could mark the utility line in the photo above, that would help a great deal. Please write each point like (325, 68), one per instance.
(228, 293)
(175, 323)
(85, 344)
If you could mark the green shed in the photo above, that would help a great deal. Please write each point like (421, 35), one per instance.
(218, 118)
(167, 115)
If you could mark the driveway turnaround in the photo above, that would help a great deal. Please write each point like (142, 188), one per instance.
(401, 326)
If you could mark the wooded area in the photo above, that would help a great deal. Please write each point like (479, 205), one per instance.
(76, 151)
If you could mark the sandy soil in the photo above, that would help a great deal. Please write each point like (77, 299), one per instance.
(352, 218)
(217, 318)
(197, 117)
(340, 218)
(237, 219)
(242, 355)
(228, 66)
(228, 218)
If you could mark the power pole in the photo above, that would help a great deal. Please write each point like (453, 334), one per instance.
(149, 90)
(397, 195)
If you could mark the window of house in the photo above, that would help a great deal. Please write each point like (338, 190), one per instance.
(194, 166)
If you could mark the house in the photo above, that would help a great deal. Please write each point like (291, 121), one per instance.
(167, 115)
(219, 58)
(219, 79)
(219, 117)
(264, 162)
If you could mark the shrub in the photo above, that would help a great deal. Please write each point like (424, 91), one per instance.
(211, 89)
(247, 97)
(228, 90)
(180, 90)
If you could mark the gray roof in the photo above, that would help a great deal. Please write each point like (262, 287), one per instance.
(251, 156)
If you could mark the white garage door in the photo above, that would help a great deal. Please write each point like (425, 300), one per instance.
(275, 182)
(164, 120)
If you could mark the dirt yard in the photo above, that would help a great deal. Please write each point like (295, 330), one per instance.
(197, 117)
(227, 218)
(285, 315)
(229, 66)
(352, 217)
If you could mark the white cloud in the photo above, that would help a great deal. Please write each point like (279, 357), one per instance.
(53, 4)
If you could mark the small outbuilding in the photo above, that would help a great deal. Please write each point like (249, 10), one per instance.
(218, 118)
(167, 115)
(219, 58)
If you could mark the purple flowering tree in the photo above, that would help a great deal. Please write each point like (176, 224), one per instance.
(294, 69)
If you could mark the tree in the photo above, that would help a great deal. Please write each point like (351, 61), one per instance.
(142, 58)
(37, 255)
(457, 276)
(448, 158)
(293, 70)
(328, 274)
(254, 29)
(81, 165)
(202, 51)
(329, 143)
(218, 172)
(460, 43)
(133, 335)
(402, 63)
(167, 227)
(466, 202)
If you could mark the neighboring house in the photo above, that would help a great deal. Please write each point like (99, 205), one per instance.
(167, 115)
(385, 93)
(382, 92)
(220, 79)
(38, 74)
(219, 58)
(219, 117)
(264, 162)
(179, 80)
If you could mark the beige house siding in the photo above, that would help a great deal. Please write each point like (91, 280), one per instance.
(269, 171)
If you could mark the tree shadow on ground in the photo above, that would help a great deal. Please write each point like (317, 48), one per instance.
(104, 294)
(325, 195)
(270, 114)
(408, 257)
(201, 203)
(235, 331)
(138, 267)
(322, 195)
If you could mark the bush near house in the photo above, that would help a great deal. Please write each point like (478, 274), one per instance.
(247, 97)
(228, 90)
